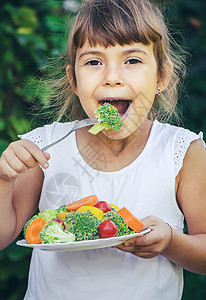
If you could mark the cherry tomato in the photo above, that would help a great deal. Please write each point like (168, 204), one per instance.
(59, 221)
(103, 205)
(108, 229)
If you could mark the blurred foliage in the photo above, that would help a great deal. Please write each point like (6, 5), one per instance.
(187, 19)
(32, 32)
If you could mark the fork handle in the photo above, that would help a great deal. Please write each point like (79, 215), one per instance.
(77, 125)
(54, 143)
(59, 140)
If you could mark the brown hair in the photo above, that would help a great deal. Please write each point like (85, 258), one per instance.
(110, 22)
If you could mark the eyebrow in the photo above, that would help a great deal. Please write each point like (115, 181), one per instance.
(129, 51)
(89, 52)
(133, 50)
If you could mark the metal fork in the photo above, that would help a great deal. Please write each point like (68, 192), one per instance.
(77, 125)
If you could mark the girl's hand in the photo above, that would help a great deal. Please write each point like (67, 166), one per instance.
(19, 157)
(151, 244)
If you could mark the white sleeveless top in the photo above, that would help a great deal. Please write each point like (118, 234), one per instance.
(145, 187)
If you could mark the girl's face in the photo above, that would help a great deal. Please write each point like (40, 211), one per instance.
(125, 76)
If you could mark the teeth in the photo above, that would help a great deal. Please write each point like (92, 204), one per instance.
(112, 100)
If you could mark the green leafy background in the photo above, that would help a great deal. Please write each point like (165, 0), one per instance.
(31, 33)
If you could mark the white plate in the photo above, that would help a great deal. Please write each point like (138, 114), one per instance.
(83, 245)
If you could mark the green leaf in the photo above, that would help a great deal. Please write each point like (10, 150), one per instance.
(25, 17)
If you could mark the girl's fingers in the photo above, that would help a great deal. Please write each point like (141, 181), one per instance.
(134, 244)
(21, 156)
(30, 154)
(47, 155)
(14, 162)
(147, 251)
(39, 156)
(141, 251)
(27, 156)
(143, 241)
(7, 172)
(152, 243)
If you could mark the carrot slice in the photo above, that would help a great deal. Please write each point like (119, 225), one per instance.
(33, 230)
(90, 201)
(130, 219)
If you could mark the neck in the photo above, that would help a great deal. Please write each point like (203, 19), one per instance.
(138, 137)
(119, 153)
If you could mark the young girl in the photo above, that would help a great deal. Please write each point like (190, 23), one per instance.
(118, 52)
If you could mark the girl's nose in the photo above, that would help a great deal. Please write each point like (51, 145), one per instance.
(113, 77)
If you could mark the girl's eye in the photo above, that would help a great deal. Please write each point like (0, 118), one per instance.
(133, 61)
(93, 62)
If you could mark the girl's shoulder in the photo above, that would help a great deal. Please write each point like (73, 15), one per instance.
(177, 140)
(41, 136)
(180, 135)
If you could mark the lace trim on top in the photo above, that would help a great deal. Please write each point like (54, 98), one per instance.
(37, 136)
(182, 143)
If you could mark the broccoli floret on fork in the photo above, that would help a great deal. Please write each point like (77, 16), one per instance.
(108, 118)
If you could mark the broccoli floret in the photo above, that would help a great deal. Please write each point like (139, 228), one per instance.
(122, 227)
(108, 118)
(53, 233)
(61, 209)
(27, 224)
(113, 209)
(49, 214)
(83, 225)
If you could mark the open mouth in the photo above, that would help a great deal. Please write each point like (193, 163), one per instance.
(121, 105)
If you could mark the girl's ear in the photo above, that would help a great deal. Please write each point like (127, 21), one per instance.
(164, 79)
(71, 77)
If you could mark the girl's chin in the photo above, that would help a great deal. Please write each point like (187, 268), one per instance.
(128, 128)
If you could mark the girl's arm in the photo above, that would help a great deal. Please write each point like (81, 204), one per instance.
(187, 251)
(21, 180)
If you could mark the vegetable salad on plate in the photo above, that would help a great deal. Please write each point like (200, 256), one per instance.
(84, 219)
